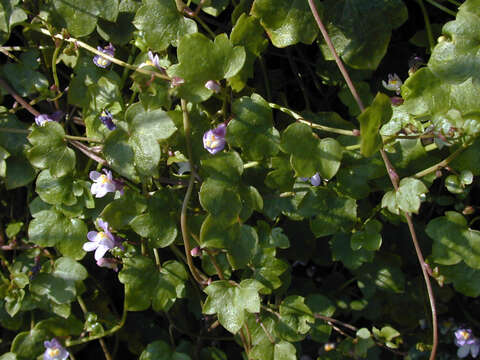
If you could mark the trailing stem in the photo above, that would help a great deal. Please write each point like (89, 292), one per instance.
(392, 175)
(183, 216)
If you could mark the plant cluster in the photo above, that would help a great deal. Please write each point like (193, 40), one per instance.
(239, 179)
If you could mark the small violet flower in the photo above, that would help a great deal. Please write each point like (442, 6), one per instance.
(213, 85)
(196, 251)
(394, 83)
(101, 61)
(467, 343)
(107, 119)
(176, 81)
(315, 180)
(108, 263)
(153, 60)
(103, 184)
(54, 350)
(42, 119)
(101, 241)
(214, 140)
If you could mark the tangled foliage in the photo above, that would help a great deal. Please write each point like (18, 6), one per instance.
(195, 180)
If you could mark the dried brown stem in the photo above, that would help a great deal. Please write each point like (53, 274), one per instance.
(18, 98)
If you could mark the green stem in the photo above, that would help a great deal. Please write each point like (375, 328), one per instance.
(251, 164)
(441, 7)
(428, 27)
(58, 46)
(15, 131)
(299, 118)
(81, 138)
(104, 334)
(442, 163)
(157, 258)
(456, 3)
(102, 54)
(205, 27)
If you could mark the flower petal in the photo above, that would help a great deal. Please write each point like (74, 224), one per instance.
(100, 252)
(90, 246)
(92, 235)
(94, 175)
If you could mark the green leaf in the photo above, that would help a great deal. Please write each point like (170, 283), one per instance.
(320, 304)
(330, 156)
(160, 350)
(453, 241)
(162, 24)
(242, 250)
(61, 327)
(105, 93)
(68, 269)
(287, 22)
(214, 7)
(252, 128)
(158, 223)
(407, 198)
(369, 238)
(120, 212)
(23, 77)
(464, 279)
(218, 234)
(300, 142)
(50, 149)
(81, 17)
(10, 15)
(220, 199)
(455, 59)
(19, 172)
(370, 121)
(55, 288)
(356, 32)
(146, 129)
(230, 302)
(385, 274)
(426, 94)
(145, 285)
(267, 270)
(201, 60)
(14, 143)
(29, 344)
(119, 32)
(120, 155)
(50, 228)
(342, 251)
(333, 212)
(248, 33)
(295, 319)
(55, 190)
(226, 167)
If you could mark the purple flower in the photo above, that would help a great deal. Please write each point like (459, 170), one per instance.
(101, 241)
(107, 119)
(467, 343)
(100, 61)
(315, 180)
(54, 350)
(214, 140)
(396, 100)
(41, 119)
(213, 85)
(108, 263)
(103, 184)
(176, 81)
(196, 251)
(394, 83)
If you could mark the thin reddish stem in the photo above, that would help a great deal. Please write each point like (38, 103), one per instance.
(391, 173)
